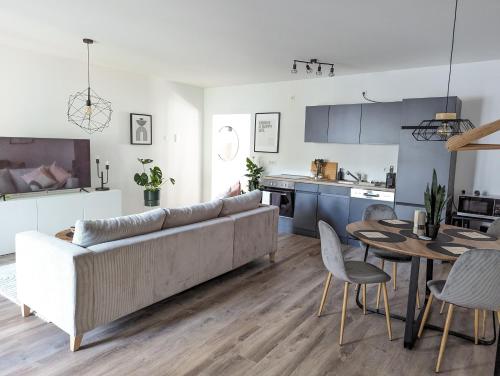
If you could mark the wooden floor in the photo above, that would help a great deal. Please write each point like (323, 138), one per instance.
(257, 320)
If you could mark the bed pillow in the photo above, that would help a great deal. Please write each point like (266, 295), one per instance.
(39, 178)
(6, 182)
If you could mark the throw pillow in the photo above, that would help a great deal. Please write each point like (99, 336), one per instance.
(192, 214)
(235, 190)
(39, 177)
(6, 182)
(60, 174)
(248, 201)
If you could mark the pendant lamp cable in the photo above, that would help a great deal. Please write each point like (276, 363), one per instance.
(451, 54)
(88, 74)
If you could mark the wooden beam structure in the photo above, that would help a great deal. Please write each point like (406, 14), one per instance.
(465, 141)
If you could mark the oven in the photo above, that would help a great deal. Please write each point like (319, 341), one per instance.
(479, 206)
(280, 193)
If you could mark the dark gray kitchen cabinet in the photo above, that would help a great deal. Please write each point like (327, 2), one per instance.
(417, 109)
(344, 124)
(380, 123)
(316, 126)
(334, 210)
(305, 213)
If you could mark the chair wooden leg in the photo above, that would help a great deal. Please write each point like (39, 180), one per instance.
(498, 315)
(379, 288)
(363, 292)
(387, 311)
(483, 332)
(75, 342)
(344, 311)
(425, 316)
(418, 299)
(272, 257)
(25, 310)
(441, 310)
(325, 293)
(476, 326)
(444, 339)
(394, 274)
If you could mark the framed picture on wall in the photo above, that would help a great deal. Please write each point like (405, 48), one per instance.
(267, 132)
(141, 129)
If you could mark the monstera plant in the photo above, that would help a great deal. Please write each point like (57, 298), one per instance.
(435, 200)
(151, 182)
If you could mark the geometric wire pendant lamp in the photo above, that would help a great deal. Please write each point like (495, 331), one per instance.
(445, 124)
(86, 108)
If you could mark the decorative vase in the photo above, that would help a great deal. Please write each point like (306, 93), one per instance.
(152, 198)
(432, 230)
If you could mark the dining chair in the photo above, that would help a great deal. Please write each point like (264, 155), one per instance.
(473, 282)
(494, 229)
(355, 272)
(377, 212)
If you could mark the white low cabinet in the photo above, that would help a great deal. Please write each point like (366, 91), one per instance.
(53, 213)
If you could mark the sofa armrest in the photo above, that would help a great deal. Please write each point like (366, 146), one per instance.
(55, 279)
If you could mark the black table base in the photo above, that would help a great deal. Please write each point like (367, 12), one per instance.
(411, 325)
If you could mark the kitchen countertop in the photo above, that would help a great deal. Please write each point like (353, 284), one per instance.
(310, 180)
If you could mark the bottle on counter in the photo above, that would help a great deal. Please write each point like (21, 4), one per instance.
(341, 174)
(390, 179)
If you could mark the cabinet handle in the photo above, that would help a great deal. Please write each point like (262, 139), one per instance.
(371, 194)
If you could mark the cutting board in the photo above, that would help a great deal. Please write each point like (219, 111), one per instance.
(329, 171)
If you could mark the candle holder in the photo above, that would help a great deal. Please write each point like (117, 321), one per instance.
(100, 175)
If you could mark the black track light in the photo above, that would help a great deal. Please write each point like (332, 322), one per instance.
(311, 67)
(318, 72)
(332, 72)
(294, 68)
(308, 68)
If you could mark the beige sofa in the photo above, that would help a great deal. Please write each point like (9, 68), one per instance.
(121, 265)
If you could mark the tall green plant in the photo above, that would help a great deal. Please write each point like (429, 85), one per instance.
(154, 180)
(435, 200)
(254, 173)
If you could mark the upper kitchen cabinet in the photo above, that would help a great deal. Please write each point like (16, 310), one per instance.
(316, 128)
(417, 109)
(344, 124)
(380, 123)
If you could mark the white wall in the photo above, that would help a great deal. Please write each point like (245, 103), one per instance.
(476, 84)
(34, 95)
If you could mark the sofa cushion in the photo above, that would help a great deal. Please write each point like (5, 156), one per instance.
(238, 204)
(6, 182)
(91, 232)
(192, 214)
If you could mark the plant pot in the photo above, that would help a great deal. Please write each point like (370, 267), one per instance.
(432, 230)
(152, 198)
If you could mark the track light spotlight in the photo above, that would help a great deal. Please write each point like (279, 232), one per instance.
(311, 65)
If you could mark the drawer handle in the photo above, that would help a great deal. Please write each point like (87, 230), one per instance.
(371, 194)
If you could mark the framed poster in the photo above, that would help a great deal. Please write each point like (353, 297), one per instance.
(267, 132)
(141, 129)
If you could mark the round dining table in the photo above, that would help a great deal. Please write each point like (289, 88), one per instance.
(397, 236)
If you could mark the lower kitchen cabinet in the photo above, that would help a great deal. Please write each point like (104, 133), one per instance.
(334, 210)
(305, 213)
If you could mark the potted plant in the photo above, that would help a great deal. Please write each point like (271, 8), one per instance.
(435, 200)
(151, 182)
(254, 174)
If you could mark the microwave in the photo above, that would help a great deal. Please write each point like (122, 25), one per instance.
(479, 206)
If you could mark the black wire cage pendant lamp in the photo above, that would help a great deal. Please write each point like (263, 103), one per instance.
(86, 108)
(445, 124)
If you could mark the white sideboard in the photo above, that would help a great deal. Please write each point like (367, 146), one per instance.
(52, 213)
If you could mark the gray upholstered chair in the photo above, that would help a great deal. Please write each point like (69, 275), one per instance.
(473, 282)
(356, 272)
(377, 212)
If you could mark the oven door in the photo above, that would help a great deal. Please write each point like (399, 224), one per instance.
(476, 205)
(282, 198)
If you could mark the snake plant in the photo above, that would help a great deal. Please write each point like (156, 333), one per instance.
(435, 200)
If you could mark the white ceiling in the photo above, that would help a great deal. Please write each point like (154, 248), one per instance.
(225, 42)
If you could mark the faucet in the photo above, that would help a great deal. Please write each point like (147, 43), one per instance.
(355, 177)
